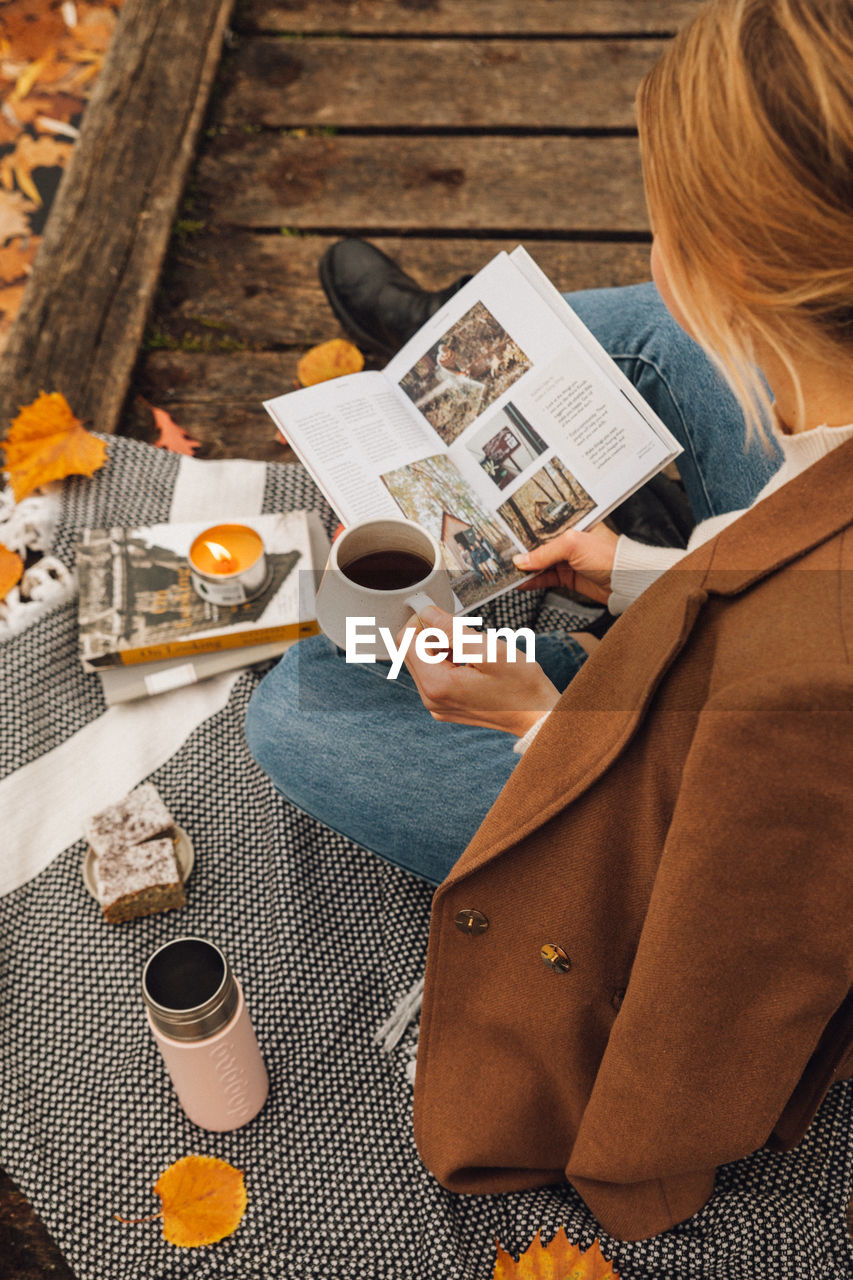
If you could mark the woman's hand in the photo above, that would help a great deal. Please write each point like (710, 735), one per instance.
(504, 694)
(581, 561)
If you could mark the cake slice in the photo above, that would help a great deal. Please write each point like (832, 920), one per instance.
(138, 880)
(140, 816)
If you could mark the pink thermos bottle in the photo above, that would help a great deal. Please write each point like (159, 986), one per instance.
(199, 1019)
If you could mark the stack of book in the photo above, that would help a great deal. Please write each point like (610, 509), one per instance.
(145, 630)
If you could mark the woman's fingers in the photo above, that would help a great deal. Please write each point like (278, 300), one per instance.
(580, 560)
(507, 692)
(549, 553)
(548, 578)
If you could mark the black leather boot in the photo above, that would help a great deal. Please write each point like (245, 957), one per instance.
(374, 300)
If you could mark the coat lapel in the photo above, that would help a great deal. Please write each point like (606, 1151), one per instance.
(603, 705)
(594, 718)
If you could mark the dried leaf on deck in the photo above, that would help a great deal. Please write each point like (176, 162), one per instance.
(11, 569)
(330, 360)
(13, 210)
(30, 26)
(55, 106)
(558, 1260)
(203, 1199)
(8, 132)
(95, 27)
(16, 259)
(29, 154)
(171, 436)
(30, 76)
(46, 442)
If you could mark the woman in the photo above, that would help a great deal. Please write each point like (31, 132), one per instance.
(640, 957)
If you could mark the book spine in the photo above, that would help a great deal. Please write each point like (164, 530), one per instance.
(214, 644)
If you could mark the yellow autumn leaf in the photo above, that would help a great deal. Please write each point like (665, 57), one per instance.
(46, 442)
(32, 153)
(30, 76)
(558, 1260)
(203, 1200)
(329, 360)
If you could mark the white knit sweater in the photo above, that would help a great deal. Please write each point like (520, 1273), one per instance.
(636, 566)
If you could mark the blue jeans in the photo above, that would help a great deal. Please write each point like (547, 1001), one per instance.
(362, 754)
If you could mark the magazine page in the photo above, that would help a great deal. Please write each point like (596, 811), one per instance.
(587, 340)
(347, 432)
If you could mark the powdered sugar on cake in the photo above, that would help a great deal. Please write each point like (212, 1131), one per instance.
(141, 816)
(143, 866)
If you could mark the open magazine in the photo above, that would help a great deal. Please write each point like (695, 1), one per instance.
(499, 425)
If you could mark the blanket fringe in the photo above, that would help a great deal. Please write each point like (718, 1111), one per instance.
(25, 527)
(389, 1035)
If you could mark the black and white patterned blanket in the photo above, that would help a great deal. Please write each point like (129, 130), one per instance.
(325, 938)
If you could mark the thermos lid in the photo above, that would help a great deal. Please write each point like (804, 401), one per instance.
(189, 989)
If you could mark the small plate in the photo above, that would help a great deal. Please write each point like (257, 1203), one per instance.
(184, 854)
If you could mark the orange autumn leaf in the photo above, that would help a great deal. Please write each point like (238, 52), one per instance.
(329, 360)
(16, 258)
(30, 26)
(558, 1260)
(95, 27)
(13, 210)
(203, 1200)
(11, 568)
(58, 106)
(171, 436)
(46, 442)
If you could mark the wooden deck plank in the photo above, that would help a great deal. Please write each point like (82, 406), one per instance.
(483, 184)
(495, 84)
(217, 399)
(263, 290)
(85, 307)
(216, 395)
(466, 17)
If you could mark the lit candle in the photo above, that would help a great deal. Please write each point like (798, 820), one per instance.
(227, 564)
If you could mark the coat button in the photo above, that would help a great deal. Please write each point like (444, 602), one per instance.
(555, 958)
(470, 921)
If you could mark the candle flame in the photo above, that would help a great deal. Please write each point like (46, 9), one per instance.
(221, 554)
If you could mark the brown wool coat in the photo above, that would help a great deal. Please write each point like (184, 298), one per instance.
(681, 828)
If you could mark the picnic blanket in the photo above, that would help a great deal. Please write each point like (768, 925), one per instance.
(325, 938)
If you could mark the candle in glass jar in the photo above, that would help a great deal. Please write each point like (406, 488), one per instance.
(227, 564)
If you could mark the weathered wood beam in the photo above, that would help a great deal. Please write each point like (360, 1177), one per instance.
(460, 84)
(467, 17)
(83, 313)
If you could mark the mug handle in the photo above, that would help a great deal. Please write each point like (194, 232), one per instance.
(420, 600)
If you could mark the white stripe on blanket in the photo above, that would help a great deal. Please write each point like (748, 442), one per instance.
(217, 489)
(44, 804)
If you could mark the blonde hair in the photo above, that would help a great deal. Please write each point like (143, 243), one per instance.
(746, 129)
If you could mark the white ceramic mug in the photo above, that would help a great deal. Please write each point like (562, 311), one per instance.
(339, 597)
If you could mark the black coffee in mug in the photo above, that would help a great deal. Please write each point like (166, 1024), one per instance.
(387, 570)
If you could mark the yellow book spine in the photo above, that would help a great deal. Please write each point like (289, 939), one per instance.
(213, 644)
